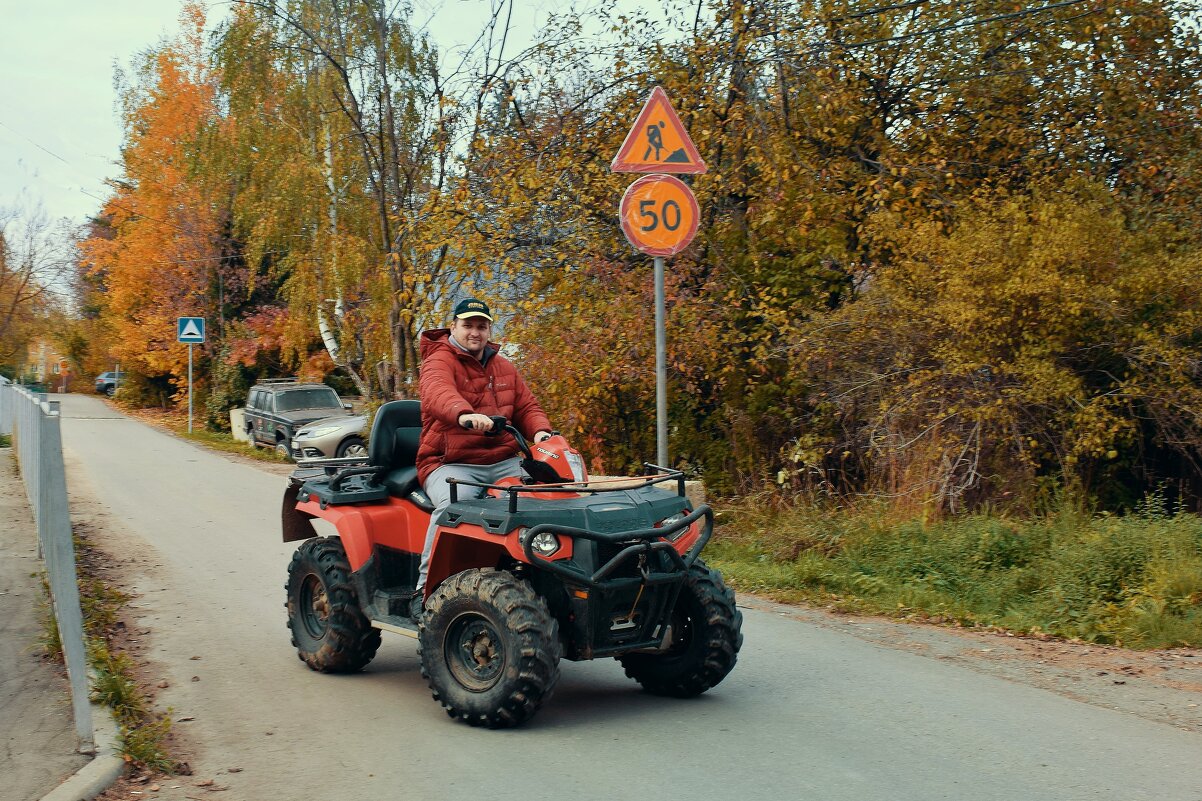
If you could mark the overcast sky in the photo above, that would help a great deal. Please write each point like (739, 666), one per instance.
(59, 129)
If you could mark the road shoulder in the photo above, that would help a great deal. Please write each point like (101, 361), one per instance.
(1160, 685)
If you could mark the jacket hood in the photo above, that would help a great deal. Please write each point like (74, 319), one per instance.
(435, 339)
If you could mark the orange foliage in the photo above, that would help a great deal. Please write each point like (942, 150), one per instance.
(166, 239)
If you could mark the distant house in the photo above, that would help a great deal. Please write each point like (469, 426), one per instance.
(46, 365)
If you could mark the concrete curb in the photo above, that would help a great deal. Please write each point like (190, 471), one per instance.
(105, 768)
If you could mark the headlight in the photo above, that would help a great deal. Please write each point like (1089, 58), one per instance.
(544, 543)
(671, 520)
(577, 465)
(318, 432)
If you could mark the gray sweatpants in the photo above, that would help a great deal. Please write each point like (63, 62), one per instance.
(439, 490)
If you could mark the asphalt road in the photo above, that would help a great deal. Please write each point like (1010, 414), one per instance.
(808, 713)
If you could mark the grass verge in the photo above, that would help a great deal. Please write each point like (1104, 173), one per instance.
(143, 731)
(1134, 581)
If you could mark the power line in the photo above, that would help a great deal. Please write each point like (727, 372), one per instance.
(36, 144)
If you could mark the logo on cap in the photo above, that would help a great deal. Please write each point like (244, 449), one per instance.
(472, 308)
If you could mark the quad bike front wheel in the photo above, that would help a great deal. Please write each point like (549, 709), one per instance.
(329, 630)
(489, 648)
(706, 637)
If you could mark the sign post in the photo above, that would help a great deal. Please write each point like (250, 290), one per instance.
(190, 330)
(659, 216)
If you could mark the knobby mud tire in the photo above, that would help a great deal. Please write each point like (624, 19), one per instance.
(706, 634)
(329, 630)
(489, 648)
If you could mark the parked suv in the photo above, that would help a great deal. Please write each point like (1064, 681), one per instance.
(277, 408)
(337, 437)
(108, 382)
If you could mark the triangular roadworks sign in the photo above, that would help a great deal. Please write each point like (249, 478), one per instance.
(658, 142)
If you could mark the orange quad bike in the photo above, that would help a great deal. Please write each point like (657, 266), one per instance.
(522, 573)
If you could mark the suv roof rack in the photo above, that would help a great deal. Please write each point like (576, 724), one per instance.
(291, 380)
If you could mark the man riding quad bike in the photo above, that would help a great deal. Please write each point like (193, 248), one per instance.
(521, 573)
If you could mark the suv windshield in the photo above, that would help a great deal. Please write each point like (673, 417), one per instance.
(298, 399)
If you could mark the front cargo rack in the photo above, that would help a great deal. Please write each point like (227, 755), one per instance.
(621, 484)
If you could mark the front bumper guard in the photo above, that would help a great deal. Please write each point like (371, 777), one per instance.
(607, 618)
(644, 541)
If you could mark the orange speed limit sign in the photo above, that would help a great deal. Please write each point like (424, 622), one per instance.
(659, 215)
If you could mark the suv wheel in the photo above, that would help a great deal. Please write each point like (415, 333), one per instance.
(281, 448)
(352, 447)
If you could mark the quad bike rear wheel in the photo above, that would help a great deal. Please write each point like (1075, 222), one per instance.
(706, 637)
(329, 630)
(489, 648)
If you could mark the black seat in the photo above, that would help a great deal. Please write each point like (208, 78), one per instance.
(395, 435)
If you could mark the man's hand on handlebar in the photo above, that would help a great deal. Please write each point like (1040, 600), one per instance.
(493, 425)
(476, 422)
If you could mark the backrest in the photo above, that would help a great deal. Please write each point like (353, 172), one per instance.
(395, 434)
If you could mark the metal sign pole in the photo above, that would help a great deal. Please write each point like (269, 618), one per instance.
(189, 387)
(659, 216)
(661, 369)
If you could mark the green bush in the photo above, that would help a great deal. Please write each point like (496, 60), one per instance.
(1134, 580)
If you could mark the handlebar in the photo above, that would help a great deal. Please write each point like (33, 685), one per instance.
(500, 425)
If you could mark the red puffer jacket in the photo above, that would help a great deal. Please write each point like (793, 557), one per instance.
(454, 382)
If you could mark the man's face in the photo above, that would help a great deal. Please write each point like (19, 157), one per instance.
(472, 333)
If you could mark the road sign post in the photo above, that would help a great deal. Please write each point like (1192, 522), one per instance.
(659, 216)
(190, 330)
(661, 368)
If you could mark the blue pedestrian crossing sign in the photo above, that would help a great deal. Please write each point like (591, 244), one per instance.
(191, 329)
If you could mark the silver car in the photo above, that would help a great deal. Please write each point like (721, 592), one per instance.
(340, 437)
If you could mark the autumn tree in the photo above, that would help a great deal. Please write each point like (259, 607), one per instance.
(165, 255)
(346, 115)
(35, 263)
(927, 261)
(819, 124)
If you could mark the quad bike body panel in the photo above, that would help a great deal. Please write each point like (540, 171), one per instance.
(602, 569)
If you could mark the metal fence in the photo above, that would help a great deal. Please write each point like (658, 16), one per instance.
(33, 423)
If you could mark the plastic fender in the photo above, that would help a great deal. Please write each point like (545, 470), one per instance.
(688, 539)
(360, 527)
(467, 546)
